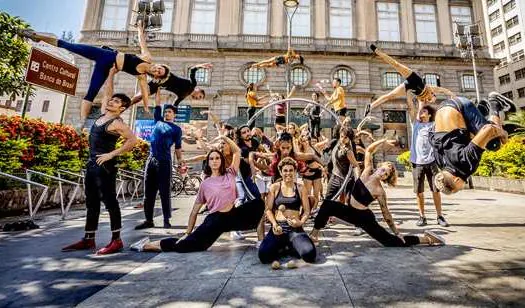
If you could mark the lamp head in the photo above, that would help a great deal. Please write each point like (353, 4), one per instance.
(291, 3)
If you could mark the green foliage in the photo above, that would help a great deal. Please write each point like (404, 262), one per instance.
(404, 159)
(11, 152)
(14, 54)
(508, 161)
(136, 158)
(518, 119)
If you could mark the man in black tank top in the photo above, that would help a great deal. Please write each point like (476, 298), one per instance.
(182, 87)
(101, 170)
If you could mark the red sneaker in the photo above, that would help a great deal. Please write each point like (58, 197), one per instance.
(113, 247)
(83, 244)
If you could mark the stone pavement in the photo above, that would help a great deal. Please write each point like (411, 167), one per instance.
(483, 264)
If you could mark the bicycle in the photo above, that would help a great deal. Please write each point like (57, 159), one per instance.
(182, 180)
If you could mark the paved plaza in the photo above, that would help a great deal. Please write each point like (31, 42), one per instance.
(483, 264)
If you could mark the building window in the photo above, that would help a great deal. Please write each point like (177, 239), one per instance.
(512, 22)
(495, 15)
(517, 56)
(388, 21)
(391, 80)
(496, 31)
(341, 25)
(203, 16)
(519, 74)
(167, 17)
(515, 39)
(254, 75)
(255, 17)
(505, 79)
(196, 113)
(426, 29)
(301, 20)
(521, 92)
(19, 104)
(490, 2)
(509, 6)
(346, 75)
(432, 80)
(28, 106)
(202, 75)
(499, 46)
(503, 62)
(45, 106)
(300, 76)
(468, 83)
(394, 116)
(461, 15)
(508, 95)
(115, 15)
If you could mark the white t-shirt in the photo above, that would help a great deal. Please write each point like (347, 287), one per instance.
(421, 151)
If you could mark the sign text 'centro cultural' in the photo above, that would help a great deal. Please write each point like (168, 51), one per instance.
(52, 73)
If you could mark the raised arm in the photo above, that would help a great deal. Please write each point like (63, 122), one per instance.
(144, 90)
(108, 90)
(193, 216)
(386, 213)
(292, 92)
(370, 150)
(399, 91)
(144, 51)
(236, 153)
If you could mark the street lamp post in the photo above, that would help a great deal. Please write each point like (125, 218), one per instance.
(468, 39)
(290, 7)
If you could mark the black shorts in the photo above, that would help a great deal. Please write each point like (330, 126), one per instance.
(341, 112)
(414, 83)
(280, 120)
(317, 174)
(419, 172)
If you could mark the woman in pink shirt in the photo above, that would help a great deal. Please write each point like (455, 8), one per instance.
(218, 192)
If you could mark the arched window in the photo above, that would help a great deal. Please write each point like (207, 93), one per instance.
(300, 76)
(346, 75)
(254, 75)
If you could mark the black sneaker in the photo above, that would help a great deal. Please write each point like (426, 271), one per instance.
(441, 221)
(421, 222)
(145, 225)
(367, 110)
(499, 102)
(484, 107)
(167, 225)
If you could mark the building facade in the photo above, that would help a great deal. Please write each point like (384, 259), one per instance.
(504, 20)
(332, 35)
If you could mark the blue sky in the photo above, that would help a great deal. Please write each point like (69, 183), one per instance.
(52, 16)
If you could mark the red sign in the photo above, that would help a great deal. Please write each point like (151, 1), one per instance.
(52, 73)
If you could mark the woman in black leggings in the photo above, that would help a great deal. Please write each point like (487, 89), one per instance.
(287, 209)
(105, 59)
(367, 189)
(218, 192)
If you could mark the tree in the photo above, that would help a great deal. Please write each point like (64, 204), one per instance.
(515, 124)
(67, 36)
(14, 54)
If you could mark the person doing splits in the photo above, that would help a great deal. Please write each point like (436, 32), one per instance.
(105, 58)
(218, 193)
(287, 209)
(367, 189)
(276, 61)
(101, 170)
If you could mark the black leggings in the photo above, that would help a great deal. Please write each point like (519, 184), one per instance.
(244, 217)
(157, 178)
(335, 183)
(251, 112)
(295, 238)
(363, 219)
(100, 185)
(314, 123)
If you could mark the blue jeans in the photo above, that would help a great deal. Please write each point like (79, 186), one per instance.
(473, 117)
(104, 60)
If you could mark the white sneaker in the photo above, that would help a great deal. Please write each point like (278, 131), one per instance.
(358, 231)
(435, 239)
(139, 246)
(237, 236)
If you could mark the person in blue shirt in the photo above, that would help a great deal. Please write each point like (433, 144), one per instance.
(158, 166)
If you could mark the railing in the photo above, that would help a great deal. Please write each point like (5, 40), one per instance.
(32, 211)
(240, 41)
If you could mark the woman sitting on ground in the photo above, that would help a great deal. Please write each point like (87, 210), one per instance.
(218, 192)
(287, 209)
(367, 189)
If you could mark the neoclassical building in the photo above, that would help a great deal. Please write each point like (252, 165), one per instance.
(333, 36)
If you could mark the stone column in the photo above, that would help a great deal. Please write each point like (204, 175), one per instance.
(93, 10)
(444, 22)
(277, 19)
(408, 26)
(360, 20)
(320, 18)
(182, 17)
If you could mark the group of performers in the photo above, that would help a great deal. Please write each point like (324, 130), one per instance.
(251, 180)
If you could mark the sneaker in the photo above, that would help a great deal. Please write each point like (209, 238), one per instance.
(434, 238)
(276, 265)
(358, 231)
(441, 221)
(83, 244)
(167, 224)
(237, 236)
(484, 107)
(422, 221)
(499, 102)
(145, 225)
(113, 247)
(258, 244)
(139, 246)
(367, 110)
(291, 264)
